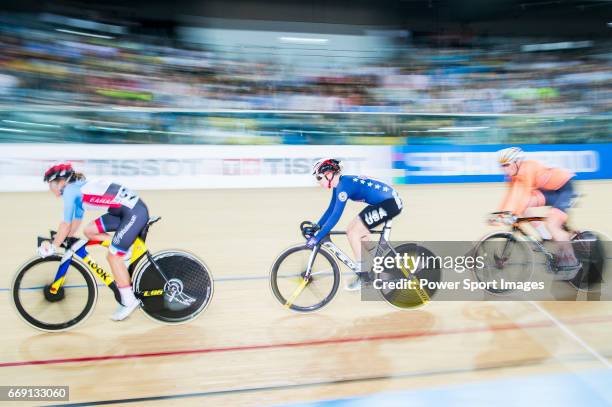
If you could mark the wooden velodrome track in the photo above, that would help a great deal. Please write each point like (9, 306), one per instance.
(247, 350)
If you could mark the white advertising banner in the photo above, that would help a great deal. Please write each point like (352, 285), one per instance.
(146, 166)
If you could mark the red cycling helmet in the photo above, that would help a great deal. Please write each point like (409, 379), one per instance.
(326, 165)
(59, 170)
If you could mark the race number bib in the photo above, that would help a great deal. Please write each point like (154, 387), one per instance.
(126, 197)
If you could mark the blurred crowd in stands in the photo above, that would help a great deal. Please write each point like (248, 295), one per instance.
(40, 65)
(61, 84)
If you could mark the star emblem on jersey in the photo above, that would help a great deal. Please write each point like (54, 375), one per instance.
(370, 184)
(385, 189)
(377, 186)
(342, 196)
(362, 181)
(355, 179)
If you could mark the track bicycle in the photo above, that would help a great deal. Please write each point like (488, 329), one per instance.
(172, 286)
(510, 254)
(305, 280)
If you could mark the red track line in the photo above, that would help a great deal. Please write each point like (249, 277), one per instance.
(333, 341)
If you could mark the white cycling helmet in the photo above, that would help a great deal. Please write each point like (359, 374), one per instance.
(509, 155)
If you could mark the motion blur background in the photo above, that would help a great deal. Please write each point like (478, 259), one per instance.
(84, 72)
(395, 72)
(212, 94)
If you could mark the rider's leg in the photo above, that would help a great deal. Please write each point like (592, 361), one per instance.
(554, 223)
(129, 302)
(119, 269)
(95, 231)
(536, 201)
(132, 222)
(560, 201)
(357, 233)
(566, 256)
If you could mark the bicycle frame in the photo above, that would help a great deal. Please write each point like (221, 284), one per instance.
(383, 244)
(79, 249)
(343, 257)
(536, 245)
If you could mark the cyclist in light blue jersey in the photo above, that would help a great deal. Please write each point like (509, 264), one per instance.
(383, 205)
(126, 215)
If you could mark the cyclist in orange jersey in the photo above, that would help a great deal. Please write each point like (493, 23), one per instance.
(534, 185)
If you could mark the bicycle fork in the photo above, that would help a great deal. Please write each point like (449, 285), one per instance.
(78, 249)
(305, 278)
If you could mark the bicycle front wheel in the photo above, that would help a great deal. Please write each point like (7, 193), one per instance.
(505, 258)
(185, 294)
(41, 309)
(293, 290)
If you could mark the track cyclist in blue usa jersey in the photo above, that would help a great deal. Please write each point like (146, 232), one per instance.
(126, 215)
(383, 205)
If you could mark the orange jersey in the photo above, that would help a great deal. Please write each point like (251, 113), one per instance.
(531, 176)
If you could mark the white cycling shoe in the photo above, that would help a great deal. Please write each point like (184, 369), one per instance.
(356, 282)
(124, 311)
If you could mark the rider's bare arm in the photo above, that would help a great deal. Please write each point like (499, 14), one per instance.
(517, 198)
(522, 185)
(63, 231)
(74, 226)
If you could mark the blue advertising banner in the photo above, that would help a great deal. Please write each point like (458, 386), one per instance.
(427, 164)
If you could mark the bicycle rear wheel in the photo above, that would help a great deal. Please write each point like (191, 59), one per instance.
(299, 294)
(183, 297)
(41, 309)
(505, 258)
(408, 297)
(589, 250)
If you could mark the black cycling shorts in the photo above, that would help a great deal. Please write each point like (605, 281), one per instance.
(374, 215)
(126, 223)
(562, 198)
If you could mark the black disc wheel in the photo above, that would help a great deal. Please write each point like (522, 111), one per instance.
(182, 295)
(590, 252)
(400, 285)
